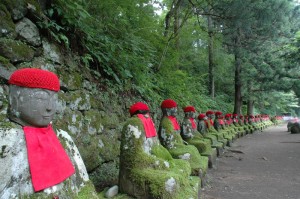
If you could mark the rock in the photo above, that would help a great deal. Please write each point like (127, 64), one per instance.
(17, 8)
(295, 128)
(15, 51)
(28, 32)
(111, 192)
(51, 52)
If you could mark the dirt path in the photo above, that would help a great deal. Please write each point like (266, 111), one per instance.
(267, 168)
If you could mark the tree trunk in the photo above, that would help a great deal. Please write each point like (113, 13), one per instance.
(250, 107)
(237, 77)
(211, 64)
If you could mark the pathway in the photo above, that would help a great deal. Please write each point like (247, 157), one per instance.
(264, 165)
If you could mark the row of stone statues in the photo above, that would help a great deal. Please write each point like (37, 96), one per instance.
(168, 163)
(37, 159)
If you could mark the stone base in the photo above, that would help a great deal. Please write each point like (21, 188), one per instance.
(212, 159)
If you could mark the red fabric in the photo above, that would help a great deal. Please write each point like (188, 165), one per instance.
(148, 124)
(138, 106)
(235, 120)
(228, 122)
(209, 112)
(211, 122)
(168, 103)
(194, 126)
(48, 162)
(207, 124)
(35, 78)
(174, 122)
(201, 116)
(218, 113)
(221, 121)
(189, 109)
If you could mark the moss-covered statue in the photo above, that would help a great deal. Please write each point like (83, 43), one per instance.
(190, 134)
(147, 170)
(34, 162)
(202, 129)
(220, 126)
(210, 127)
(235, 122)
(169, 136)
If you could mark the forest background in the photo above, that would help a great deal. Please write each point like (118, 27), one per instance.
(236, 56)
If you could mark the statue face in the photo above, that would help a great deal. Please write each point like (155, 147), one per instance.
(33, 107)
(173, 111)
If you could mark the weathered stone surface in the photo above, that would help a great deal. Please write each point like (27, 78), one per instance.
(17, 8)
(15, 51)
(28, 32)
(111, 192)
(15, 181)
(51, 52)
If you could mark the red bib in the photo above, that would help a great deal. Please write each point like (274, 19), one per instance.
(194, 126)
(221, 121)
(174, 122)
(48, 162)
(148, 124)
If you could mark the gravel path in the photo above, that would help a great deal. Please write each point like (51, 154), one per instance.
(264, 165)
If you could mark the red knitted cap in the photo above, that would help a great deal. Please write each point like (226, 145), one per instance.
(228, 115)
(241, 116)
(139, 106)
(234, 115)
(189, 109)
(209, 112)
(168, 103)
(201, 116)
(218, 113)
(35, 78)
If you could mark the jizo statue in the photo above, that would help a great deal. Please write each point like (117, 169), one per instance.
(47, 166)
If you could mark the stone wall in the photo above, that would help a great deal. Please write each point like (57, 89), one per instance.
(90, 112)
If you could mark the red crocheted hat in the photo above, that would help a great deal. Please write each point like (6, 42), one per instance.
(218, 113)
(228, 115)
(201, 116)
(139, 106)
(35, 78)
(209, 112)
(168, 103)
(241, 116)
(189, 109)
(234, 115)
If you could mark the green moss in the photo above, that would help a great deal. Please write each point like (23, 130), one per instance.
(87, 192)
(6, 21)
(3, 60)
(15, 51)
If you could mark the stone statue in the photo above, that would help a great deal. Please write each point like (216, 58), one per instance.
(34, 162)
(147, 169)
(190, 134)
(169, 136)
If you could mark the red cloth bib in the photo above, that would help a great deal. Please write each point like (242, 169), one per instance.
(148, 124)
(221, 121)
(194, 126)
(174, 122)
(48, 162)
(211, 122)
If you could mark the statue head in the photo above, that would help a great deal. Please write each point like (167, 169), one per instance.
(33, 97)
(202, 116)
(169, 107)
(210, 114)
(139, 108)
(218, 114)
(189, 111)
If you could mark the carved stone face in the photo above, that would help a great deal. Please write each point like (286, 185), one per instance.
(32, 106)
(190, 114)
(169, 111)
